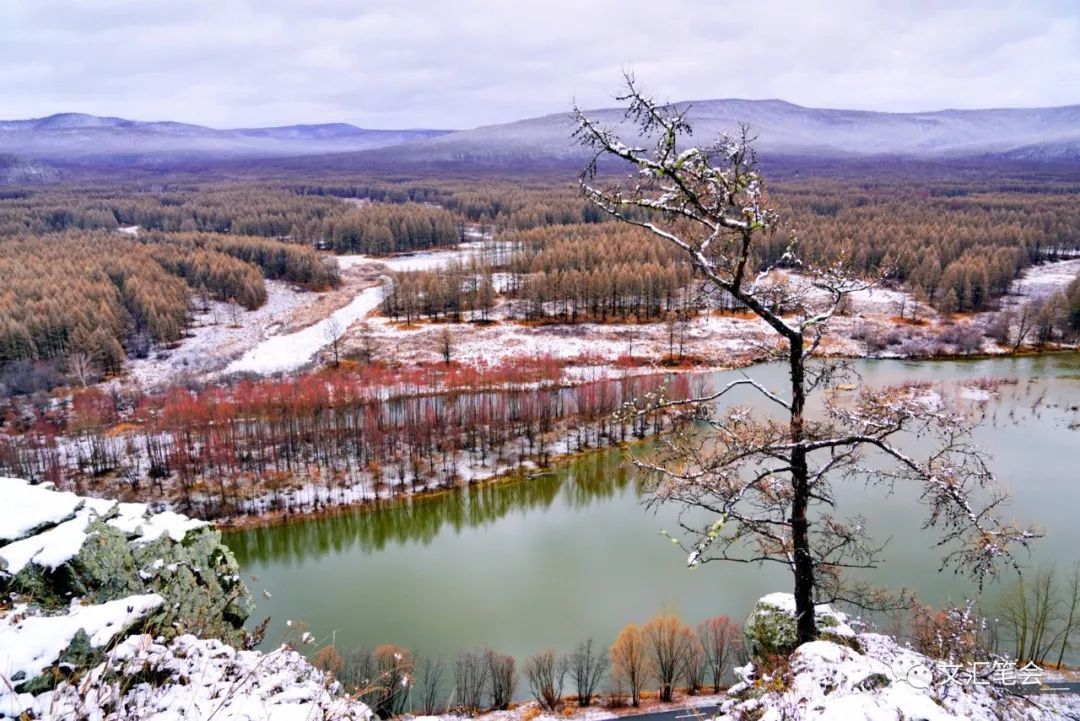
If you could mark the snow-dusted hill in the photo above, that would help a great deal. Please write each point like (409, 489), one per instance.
(781, 128)
(76, 137)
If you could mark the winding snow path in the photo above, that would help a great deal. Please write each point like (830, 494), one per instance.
(290, 351)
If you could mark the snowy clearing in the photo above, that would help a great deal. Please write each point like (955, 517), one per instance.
(294, 350)
(427, 260)
(285, 352)
(1040, 281)
(213, 338)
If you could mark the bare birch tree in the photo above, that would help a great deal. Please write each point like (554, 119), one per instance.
(767, 482)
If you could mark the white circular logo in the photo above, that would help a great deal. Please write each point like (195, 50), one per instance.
(919, 676)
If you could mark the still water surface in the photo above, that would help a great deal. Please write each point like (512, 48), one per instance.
(525, 565)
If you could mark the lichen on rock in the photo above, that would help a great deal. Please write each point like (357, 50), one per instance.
(771, 629)
(81, 573)
(125, 550)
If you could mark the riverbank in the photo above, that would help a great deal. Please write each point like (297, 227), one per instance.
(273, 519)
(568, 456)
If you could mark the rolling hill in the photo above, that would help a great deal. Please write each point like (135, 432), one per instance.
(90, 139)
(782, 128)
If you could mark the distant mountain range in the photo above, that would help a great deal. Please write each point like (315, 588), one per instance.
(782, 128)
(90, 139)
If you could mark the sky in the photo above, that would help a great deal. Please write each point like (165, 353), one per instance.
(465, 63)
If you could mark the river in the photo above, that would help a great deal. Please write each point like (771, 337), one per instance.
(546, 562)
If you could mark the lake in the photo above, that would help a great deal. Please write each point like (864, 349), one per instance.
(546, 562)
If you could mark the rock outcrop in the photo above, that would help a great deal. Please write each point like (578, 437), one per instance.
(112, 611)
(864, 677)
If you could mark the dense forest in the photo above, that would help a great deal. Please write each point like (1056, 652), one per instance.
(101, 296)
(263, 210)
(570, 272)
(79, 288)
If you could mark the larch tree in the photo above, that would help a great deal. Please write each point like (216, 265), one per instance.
(629, 664)
(765, 482)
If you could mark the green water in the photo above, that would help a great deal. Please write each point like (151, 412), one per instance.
(547, 562)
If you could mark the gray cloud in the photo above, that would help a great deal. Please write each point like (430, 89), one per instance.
(422, 63)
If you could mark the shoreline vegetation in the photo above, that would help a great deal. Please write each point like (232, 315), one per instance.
(277, 518)
(109, 444)
(334, 437)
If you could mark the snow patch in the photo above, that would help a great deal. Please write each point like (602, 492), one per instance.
(30, 643)
(38, 506)
(199, 679)
(28, 507)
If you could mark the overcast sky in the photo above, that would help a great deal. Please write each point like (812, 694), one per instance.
(462, 63)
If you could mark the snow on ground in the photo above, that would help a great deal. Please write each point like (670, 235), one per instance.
(213, 338)
(427, 260)
(197, 680)
(596, 712)
(872, 677)
(878, 299)
(294, 350)
(132, 230)
(1040, 281)
(30, 643)
(285, 352)
(722, 340)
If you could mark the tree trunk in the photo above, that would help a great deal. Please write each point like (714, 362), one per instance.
(800, 480)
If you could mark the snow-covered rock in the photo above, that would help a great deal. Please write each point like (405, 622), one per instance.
(30, 643)
(62, 546)
(868, 677)
(80, 573)
(105, 599)
(771, 627)
(198, 679)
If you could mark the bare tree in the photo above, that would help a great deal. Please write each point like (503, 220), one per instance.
(1072, 616)
(471, 678)
(546, 672)
(429, 674)
(721, 638)
(366, 347)
(234, 311)
(82, 367)
(332, 332)
(381, 678)
(446, 344)
(667, 644)
(588, 664)
(695, 665)
(1025, 322)
(758, 478)
(503, 679)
